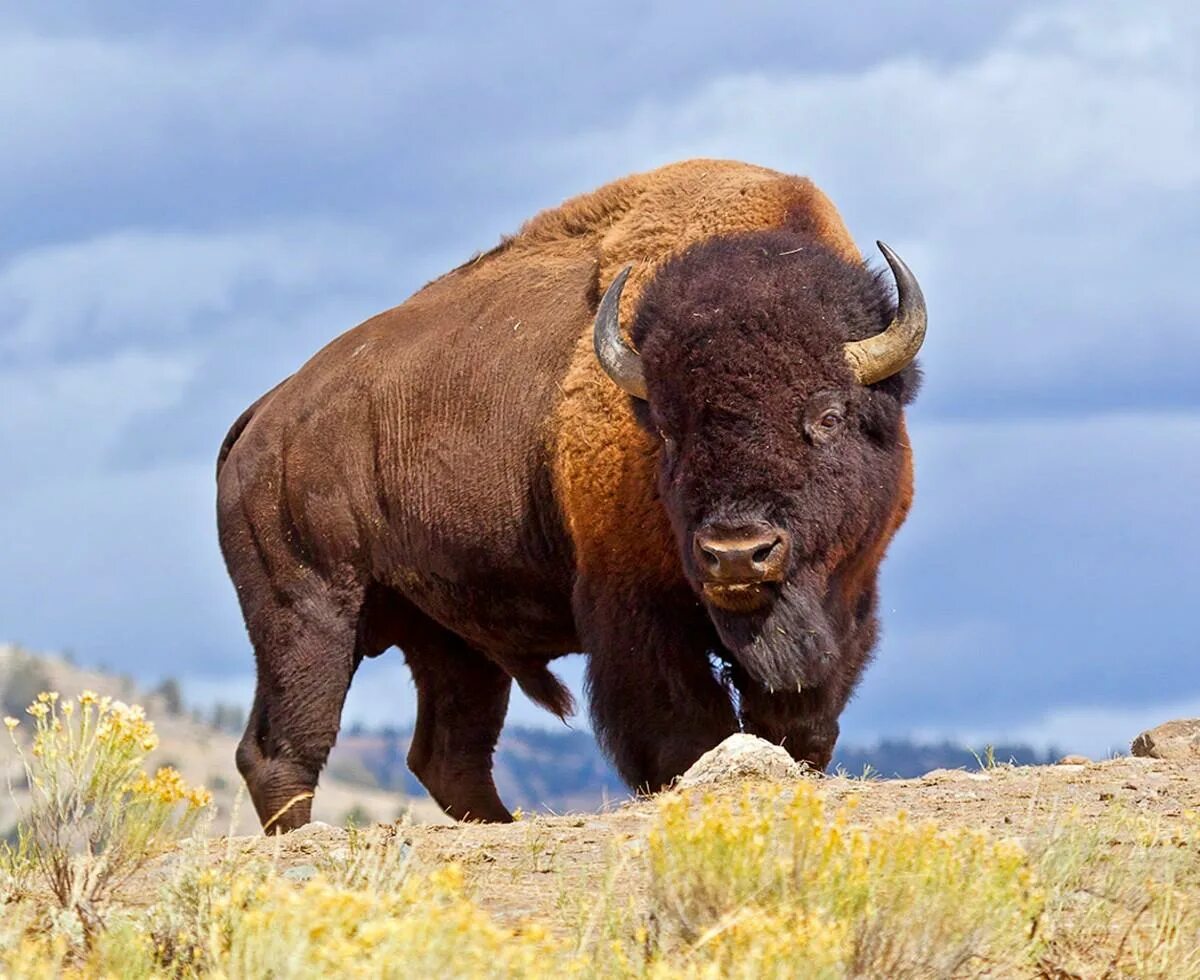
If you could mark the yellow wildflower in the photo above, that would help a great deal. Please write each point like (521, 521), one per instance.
(10, 722)
(198, 797)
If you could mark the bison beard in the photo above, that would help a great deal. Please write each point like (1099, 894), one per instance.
(788, 646)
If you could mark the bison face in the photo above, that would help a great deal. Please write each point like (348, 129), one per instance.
(769, 502)
(779, 469)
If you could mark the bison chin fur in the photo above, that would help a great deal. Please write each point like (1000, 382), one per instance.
(788, 646)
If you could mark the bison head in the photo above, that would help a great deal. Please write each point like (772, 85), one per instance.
(774, 373)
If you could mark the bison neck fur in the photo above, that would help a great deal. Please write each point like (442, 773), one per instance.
(458, 478)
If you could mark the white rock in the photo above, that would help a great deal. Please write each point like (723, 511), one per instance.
(315, 826)
(301, 872)
(742, 756)
(954, 776)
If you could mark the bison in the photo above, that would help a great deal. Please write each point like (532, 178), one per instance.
(662, 425)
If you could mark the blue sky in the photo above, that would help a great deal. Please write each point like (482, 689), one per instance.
(194, 199)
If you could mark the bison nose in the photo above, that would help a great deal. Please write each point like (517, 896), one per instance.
(742, 555)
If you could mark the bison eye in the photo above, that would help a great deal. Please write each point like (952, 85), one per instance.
(822, 422)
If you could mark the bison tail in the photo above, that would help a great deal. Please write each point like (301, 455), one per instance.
(231, 437)
(239, 426)
(544, 688)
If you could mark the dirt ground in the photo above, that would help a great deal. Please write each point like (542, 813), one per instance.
(552, 867)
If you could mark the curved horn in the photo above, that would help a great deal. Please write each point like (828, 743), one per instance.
(881, 356)
(620, 361)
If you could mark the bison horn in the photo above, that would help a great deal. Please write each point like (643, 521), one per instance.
(882, 355)
(620, 361)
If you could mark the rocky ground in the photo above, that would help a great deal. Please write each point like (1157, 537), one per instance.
(540, 866)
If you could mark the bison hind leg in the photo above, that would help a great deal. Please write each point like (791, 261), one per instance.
(305, 664)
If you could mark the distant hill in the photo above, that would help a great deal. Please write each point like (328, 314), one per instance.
(563, 770)
(535, 769)
(905, 759)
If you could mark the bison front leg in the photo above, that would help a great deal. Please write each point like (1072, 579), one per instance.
(462, 698)
(806, 723)
(654, 702)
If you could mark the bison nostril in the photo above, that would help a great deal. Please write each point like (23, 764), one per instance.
(763, 553)
(711, 558)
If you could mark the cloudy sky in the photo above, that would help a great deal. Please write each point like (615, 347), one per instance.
(193, 200)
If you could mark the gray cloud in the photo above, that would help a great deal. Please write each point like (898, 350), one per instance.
(196, 208)
(1047, 193)
(162, 288)
(129, 112)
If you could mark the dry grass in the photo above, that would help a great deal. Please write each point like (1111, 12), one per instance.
(761, 881)
(1123, 897)
(773, 883)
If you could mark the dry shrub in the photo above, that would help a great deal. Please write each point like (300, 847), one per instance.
(769, 885)
(95, 817)
(428, 928)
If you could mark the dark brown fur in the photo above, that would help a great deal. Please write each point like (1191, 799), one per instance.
(456, 477)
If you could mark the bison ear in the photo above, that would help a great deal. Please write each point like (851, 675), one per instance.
(880, 413)
(620, 361)
(910, 383)
(644, 418)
